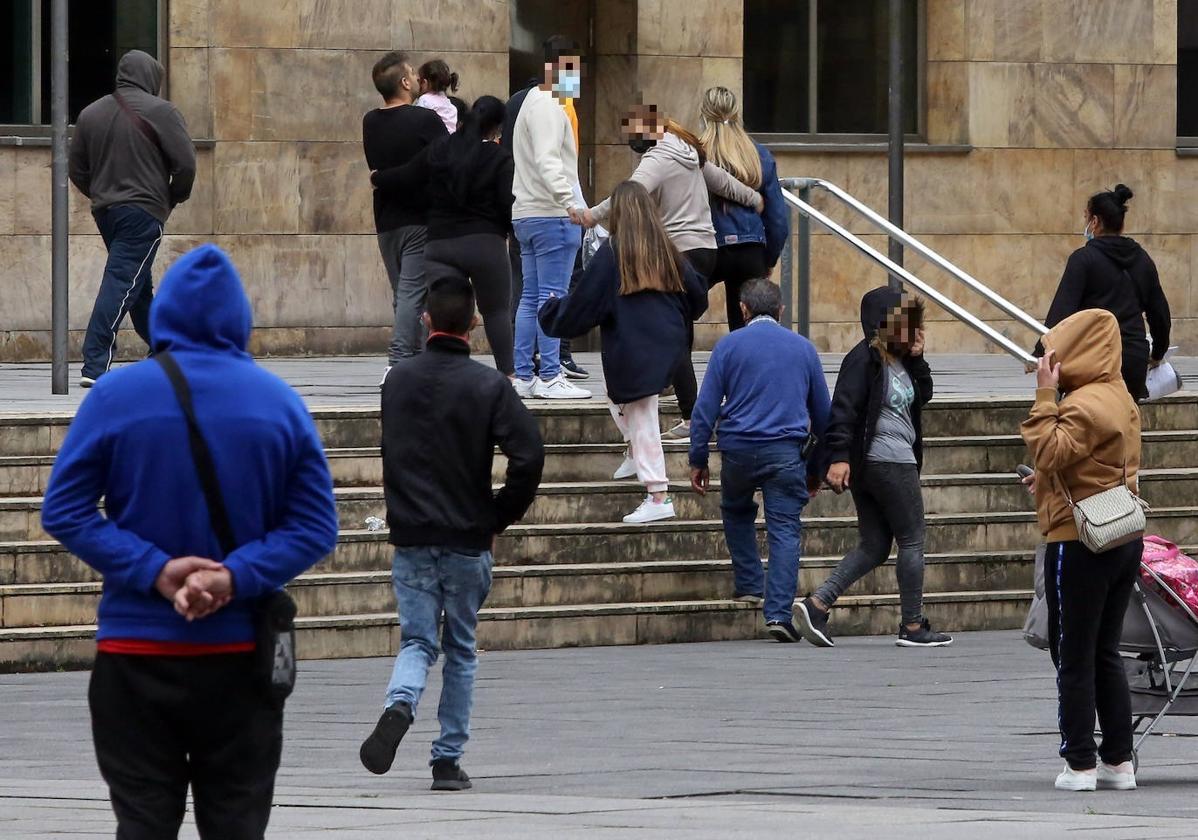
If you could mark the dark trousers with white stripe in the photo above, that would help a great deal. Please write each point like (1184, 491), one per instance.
(1087, 598)
(132, 237)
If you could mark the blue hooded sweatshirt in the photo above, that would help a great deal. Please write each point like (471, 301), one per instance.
(129, 444)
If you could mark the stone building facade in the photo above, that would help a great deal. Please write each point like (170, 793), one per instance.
(1028, 106)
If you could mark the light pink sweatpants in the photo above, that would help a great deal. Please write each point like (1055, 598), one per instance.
(641, 429)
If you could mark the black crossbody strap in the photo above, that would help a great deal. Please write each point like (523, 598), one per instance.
(218, 514)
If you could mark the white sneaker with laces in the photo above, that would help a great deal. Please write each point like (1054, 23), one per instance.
(558, 389)
(651, 511)
(1117, 776)
(86, 382)
(625, 470)
(524, 388)
(1077, 780)
(680, 432)
(384, 379)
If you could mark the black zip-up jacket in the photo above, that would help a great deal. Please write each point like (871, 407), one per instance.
(861, 387)
(443, 416)
(1096, 277)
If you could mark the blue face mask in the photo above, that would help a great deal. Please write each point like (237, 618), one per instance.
(569, 84)
(1088, 233)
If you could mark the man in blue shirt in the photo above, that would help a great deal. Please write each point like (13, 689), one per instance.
(766, 388)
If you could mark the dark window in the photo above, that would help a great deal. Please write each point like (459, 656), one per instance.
(100, 32)
(821, 66)
(1187, 71)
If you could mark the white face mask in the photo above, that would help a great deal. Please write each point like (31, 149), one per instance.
(1088, 232)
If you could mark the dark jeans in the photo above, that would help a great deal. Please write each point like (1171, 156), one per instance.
(889, 509)
(481, 258)
(1087, 598)
(735, 265)
(132, 237)
(686, 386)
(778, 471)
(161, 723)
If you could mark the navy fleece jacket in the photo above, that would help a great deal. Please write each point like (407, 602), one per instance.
(128, 443)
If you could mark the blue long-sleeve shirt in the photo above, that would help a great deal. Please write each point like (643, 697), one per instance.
(771, 385)
(129, 444)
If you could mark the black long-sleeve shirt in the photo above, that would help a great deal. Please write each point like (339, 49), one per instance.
(392, 137)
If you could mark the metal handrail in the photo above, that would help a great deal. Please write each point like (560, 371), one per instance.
(897, 270)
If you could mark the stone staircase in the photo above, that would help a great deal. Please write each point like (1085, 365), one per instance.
(573, 574)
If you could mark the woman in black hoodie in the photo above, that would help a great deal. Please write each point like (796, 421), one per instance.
(1114, 273)
(874, 444)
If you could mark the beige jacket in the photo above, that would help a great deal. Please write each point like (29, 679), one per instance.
(1092, 435)
(546, 176)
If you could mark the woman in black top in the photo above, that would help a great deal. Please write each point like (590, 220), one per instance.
(1114, 273)
(468, 180)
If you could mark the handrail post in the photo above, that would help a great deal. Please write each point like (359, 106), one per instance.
(787, 280)
(804, 245)
(59, 198)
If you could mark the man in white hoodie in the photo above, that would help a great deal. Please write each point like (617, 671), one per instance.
(546, 217)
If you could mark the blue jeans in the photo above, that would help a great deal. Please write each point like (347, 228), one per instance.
(777, 469)
(547, 250)
(132, 236)
(439, 589)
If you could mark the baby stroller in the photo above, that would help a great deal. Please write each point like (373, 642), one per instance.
(1160, 640)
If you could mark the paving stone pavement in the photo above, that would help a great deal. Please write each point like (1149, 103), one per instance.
(353, 380)
(713, 740)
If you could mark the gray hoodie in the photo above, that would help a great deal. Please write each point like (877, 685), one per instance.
(113, 162)
(671, 173)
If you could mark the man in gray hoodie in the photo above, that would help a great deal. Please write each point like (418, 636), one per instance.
(132, 156)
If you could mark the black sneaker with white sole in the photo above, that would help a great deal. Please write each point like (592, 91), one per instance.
(378, 751)
(813, 623)
(925, 636)
(573, 370)
(782, 631)
(449, 775)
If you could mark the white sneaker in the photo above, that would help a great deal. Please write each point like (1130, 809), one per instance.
(524, 388)
(86, 382)
(384, 379)
(680, 432)
(625, 470)
(558, 389)
(1077, 780)
(651, 511)
(1117, 777)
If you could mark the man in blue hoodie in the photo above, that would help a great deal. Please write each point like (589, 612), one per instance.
(176, 696)
(766, 387)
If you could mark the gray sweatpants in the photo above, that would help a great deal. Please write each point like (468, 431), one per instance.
(889, 509)
(403, 256)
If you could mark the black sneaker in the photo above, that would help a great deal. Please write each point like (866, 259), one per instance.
(573, 370)
(813, 624)
(449, 775)
(782, 631)
(923, 637)
(378, 751)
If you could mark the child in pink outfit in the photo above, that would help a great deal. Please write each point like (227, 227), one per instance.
(435, 80)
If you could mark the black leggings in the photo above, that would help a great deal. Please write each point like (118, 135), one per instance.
(686, 386)
(735, 265)
(483, 258)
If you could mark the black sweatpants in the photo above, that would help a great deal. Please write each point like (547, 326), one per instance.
(1087, 598)
(161, 723)
(686, 386)
(482, 258)
(735, 265)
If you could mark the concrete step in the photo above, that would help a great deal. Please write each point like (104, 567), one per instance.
(377, 634)
(323, 593)
(44, 561)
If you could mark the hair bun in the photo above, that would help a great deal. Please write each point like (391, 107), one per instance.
(1123, 193)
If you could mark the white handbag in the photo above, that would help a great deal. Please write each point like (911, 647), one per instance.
(1108, 519)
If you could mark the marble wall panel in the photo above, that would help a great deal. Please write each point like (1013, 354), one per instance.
(947, 102)
(257, 188)
(31, 196)
(1004, 30)
(1145, 106)
(945, 30)
(323, 24)
(195, 216)
(1164, 31)
(334, 189)
(8, 191)
(367, 292)
(616, 88)
(616, 32)
(291, 281)
(694, 28)
(1074, 105)
(1174, 258)
(1001, 99)
(479, 72)
(840, 276)
(86, 256)
(677, 83)
(1112, 31)
(189, 88)
(457, 25)
(26, 299)
(613, 164)
(1165, 186)
(188, 23)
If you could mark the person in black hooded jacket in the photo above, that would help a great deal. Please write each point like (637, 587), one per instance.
(874, 444)
(1114, 273)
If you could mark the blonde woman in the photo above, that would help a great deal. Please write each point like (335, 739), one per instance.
(748, 243)
(644, 296)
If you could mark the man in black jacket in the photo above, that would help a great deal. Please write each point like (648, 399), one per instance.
(443, 415)
(132, 156)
